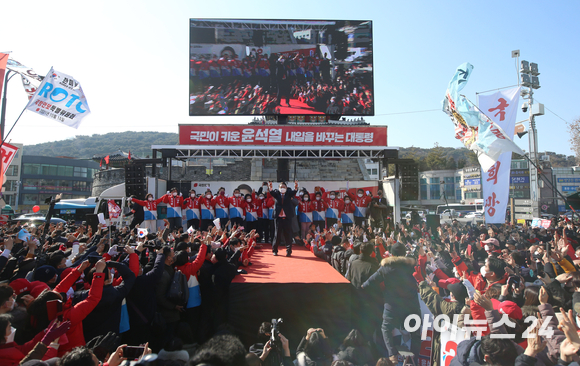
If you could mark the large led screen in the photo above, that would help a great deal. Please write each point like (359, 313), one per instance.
(280, 67)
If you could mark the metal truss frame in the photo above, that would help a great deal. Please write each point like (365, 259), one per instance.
(277, 152)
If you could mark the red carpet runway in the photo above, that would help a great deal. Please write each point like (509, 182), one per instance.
(302, 289)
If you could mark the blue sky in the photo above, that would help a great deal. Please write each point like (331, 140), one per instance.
(131, 58)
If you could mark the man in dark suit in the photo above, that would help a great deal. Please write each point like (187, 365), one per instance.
(284, 214)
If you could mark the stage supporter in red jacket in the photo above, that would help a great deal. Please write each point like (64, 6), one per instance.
(39, 318)
(347, 210)
(265, 220)
(222, 204)
(192, 211)
(362, 202)
(319, 207)
(252, 211)
(333, 207)
(174, 201)
(305, 208)
(149, 211)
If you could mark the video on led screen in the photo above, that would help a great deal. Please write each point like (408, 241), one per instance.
(285, 67)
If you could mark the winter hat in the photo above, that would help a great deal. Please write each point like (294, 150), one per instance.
(44, 273)
(20, 285)
(510, 308)
(459, 291)
(398, 250)
(36, 288)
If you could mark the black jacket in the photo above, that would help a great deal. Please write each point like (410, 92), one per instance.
(106, 317)
(165, 307)
(286, 203)
(361, 269)
(400, 294)
(141, 303)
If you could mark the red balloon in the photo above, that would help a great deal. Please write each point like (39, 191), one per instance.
(35, 208)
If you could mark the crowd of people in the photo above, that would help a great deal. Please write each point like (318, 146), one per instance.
(78, 295)
(260, 84)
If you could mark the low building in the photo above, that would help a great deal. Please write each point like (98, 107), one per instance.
(43, 177)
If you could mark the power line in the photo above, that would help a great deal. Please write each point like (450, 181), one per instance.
(549, 110)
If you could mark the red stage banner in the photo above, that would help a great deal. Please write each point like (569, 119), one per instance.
(283, 135)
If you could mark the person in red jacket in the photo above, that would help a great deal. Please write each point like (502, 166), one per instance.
(149, 210)
(41, 347)
(221, 205)
(362, 202)
(174, 201)
(192, 211)
(333, 207)
(319, 207)
(347, 210)
(305, 208)
(236, 209)
(265, 220)
(39, 318)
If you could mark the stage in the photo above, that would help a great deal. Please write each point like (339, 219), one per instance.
(302, 289)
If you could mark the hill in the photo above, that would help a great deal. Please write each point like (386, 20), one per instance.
(139, 143)
(84, 147)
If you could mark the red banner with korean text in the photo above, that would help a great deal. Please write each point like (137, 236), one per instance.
(283, 135)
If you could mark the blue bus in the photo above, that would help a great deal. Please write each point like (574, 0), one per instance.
(75, 209)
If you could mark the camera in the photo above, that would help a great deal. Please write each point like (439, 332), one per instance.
(152, 244)
(525, 107)
(275, 333)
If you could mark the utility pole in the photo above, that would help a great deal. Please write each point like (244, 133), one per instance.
(529, 80)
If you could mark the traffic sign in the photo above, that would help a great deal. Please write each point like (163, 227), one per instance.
(523, 209)
(522, 202)
(524, 216)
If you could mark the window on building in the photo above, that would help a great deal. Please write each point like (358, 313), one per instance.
(30, 199)
(47, 169)
(31, 169)
(10, 185)
(458, 194)
(458, 179)
(472, 195)
(80, 172)
(434, 191)
(449, 190)
(424, 192)
(434, 180)
(12, 171)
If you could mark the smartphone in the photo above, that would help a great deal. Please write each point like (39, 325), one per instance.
(120, 249)
(514, 281)
(548, 249)
(54, 309)
(133, 353)
(93, 259)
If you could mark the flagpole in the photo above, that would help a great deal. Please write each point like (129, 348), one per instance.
(17, 119)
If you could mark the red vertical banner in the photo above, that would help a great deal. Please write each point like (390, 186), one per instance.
(3, 62)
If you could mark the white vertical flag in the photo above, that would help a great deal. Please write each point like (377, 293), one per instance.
(60, 97)
(501, 107)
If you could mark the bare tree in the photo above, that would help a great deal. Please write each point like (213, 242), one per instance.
(574, 130)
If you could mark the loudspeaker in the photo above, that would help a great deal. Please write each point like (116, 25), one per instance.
(135, 180)
(92, 221)
(433, 222)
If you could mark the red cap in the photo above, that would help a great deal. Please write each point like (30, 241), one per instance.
(510, 308)
(20, 285)
(37, 287)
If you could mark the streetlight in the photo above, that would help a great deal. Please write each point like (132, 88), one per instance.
(530, 81)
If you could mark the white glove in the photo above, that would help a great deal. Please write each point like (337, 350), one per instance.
(368, 193)
(129, 199)
(180, 194)
(113, 251)
(167, 192)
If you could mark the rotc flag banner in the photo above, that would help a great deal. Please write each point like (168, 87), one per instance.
(60, 97)
(501, 107)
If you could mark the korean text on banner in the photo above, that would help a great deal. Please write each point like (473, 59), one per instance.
(472, 127)
(501, 107)
(61, 98)
(8, 152)
(240, 135)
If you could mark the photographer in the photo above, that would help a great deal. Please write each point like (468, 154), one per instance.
(314, 349)
(275, 353)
